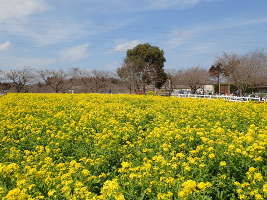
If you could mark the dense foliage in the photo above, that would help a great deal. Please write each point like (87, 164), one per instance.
(63, 146)
(144, 65)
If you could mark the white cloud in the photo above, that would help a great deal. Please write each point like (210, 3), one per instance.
(15, 9)
(181, 36)
(75, 53)
(55, 33)
(201, 44)
(67, 55)
(163, 4)
(17, 19)
(126, 45)
(4, 46)
(46, 32)
(21, 61)
(112, 66)
(135, 6)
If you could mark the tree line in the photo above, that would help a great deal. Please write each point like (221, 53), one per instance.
(60, 81)
(142, 69)
(244, 72)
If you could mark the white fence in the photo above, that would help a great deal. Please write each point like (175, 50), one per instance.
(229, 98)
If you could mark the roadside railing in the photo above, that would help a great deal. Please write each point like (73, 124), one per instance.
(229, 98)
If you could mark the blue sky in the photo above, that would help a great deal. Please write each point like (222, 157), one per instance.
(95, 34)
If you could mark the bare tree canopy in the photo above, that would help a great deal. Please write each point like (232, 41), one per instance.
(194, 77)
(256, 67)
(92, 80)
(54, 79)
(129, 73)
(245, 71)
(19, 78)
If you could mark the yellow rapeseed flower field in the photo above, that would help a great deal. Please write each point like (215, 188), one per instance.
(116, 147)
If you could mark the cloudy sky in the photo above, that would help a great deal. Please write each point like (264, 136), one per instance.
(95, 34)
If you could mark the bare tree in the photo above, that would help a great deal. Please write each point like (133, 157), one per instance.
(19, 78)
(245, 71)
(194, 78)
(4, 87)
(234, 71)
(256, 67)
(129, 73)
(54, 79)
(73, 77)
(2, 73)
(216, 71)
(174, 78)
(100, 80)
(93, 81)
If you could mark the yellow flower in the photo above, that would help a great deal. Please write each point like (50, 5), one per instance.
(265, 188)
(17, 194)
(188, 187)
(242, 196)
(180, 155)
(110, 187)
(212, 155)
(51, 193)
(187, 168)
(85, 172)
(202, 165)
(165, 196)
(125, 164)
(258, 197)
(77, 146)
(252, 169)
(203, 186)
(119, 197)
(236, 183)
(182, 194)
(258, 177)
